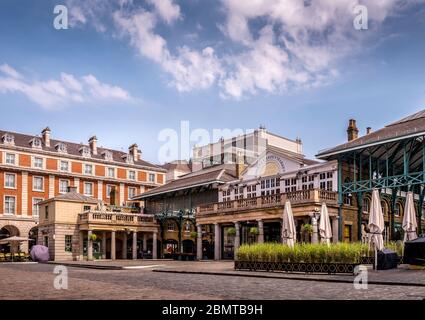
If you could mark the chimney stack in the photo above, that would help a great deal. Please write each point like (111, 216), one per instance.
(93, 145)
(240, 164)
(133, 150)
(72, 189)
(352, 131)
(368, 130)
(46, 136)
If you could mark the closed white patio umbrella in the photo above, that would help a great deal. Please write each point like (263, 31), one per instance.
(288, 226)
(376, 225)
(325, 229)
(409, 219)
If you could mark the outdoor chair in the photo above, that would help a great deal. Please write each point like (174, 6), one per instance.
(2, 257)
(8, 256)
(16, 257)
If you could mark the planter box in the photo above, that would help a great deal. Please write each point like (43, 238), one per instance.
(327, 268)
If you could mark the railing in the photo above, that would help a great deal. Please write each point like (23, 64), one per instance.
(270, 201)
(115, 218)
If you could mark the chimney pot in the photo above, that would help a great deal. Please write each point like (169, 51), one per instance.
(368, 130)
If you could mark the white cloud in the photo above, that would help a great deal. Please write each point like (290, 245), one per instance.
(272, 45)
(190, 69)
(53, 94)
(166, 9)
(5, 68)
(300, 45)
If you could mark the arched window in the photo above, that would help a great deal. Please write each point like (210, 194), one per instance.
(8, 139)
(61, 147)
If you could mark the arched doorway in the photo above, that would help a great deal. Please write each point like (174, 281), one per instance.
(6, 232)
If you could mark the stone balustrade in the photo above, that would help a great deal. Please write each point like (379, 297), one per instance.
(277, 200)
(115, 218)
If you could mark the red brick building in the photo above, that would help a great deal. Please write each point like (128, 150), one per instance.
(34, 168)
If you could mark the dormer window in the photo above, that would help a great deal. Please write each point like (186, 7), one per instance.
(107, 155)
(8, 139)
(85, 151)
(128, 158)
(61, 147)
(36, 143)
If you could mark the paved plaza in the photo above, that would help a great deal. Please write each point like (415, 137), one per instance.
(198, 280)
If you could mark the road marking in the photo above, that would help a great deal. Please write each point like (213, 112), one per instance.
(144, 267)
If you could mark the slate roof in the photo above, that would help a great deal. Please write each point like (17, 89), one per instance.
(219, 174)
(411, 125)
(74, 197)
(23, 141)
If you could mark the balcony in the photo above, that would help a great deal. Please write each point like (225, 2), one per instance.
(116, 219)
(301, 197)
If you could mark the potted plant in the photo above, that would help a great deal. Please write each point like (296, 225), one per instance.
(93, 237)
(254, 231)
(193, 234)
(231, 232)
(308, 228)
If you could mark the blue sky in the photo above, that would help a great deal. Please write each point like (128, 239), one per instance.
(125, 70)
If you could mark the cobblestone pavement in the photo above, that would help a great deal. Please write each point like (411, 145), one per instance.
(35, 281)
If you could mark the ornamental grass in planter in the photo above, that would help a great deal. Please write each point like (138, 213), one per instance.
(347, 253)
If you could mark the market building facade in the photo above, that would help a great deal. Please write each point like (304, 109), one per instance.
(391, 160)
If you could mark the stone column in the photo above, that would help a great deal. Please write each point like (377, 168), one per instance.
(124, 246)
(155, 246)
(315, 235)
(217, 244)
(134, 245)
(145, 242)
(199, 242)
(113, 250)
(89, 246)
(237, 236)
(103, 245)
(335, 231)
(81, 243)
(260, 231)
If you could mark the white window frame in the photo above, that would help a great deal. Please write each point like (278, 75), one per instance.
(34, 162)
(92, 188)
(60, 183)
(88, 165)
(10, 154)
(14, 205)
(42, 184)
(149, 177)
(36, 213)
(67, 166)
(14, 180)
(134, 194)
(107, 172)
(129, 177)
